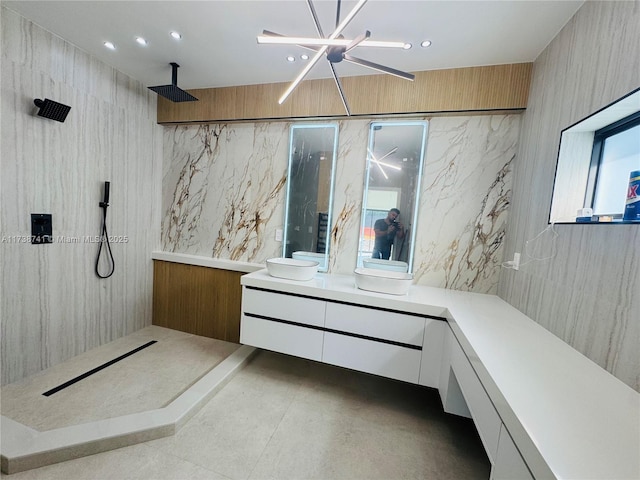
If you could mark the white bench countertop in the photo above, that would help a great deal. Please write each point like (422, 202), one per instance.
(201, 261)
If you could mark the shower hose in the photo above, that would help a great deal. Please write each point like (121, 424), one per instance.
(104, 239)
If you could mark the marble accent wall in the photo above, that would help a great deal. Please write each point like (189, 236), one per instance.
(588, 294)
(223, 189)
(224, 195)
(53, 306)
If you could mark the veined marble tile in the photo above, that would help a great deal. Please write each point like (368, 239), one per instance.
(224, 189)
(466, 189)
(349, 188)
(224, 194)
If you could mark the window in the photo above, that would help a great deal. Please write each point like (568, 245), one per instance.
(616, 153)
(595, 158)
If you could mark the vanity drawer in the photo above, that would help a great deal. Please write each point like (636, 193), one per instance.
(374, 323)
(307, 311)
(369, 356)
(483, 412)
(281, 337)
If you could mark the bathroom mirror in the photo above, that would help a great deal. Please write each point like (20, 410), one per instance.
(596, 159)
(310, 179)
(393, 176)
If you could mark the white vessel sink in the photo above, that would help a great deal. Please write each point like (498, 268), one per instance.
(383, 281)
(292, 269)
(391, 265)
(311, 257)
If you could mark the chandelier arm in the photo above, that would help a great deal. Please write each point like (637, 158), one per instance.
(347, 19)
(380, 68)
(271, 38)
(302, 74)
(322, 51)
(340, 91)
(358, 40)
(316, 22)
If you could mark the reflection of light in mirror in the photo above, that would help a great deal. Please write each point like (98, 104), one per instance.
(381, 169)
(395, 167)
(392, 183)
(379, 164)
(393, 150)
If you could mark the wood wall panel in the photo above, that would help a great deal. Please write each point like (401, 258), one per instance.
(496, 87)
(199, 300)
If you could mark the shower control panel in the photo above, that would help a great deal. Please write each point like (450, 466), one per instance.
(41, 228)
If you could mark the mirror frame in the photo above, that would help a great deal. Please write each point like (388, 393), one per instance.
(414, 215)
(324, 264)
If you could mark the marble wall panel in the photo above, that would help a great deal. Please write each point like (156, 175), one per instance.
(465, 199)
(353, 139)
(587, 292)
(53, 306)
(224, 194)
(224, 188)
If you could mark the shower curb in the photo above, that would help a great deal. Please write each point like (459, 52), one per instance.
(24, 448)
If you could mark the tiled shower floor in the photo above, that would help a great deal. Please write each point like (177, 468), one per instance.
(148, 379)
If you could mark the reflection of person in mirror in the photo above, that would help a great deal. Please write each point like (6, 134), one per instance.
(386, 231)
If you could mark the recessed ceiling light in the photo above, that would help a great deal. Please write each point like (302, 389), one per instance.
(141, 41)
(110, 45)
(291, 58)
(176, 35)
(407, 46)
(426, 43)
(304, 56)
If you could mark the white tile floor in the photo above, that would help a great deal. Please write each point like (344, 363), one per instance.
(283, 417)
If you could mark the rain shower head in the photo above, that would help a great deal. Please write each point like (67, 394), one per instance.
(52, 110)
(172, 92)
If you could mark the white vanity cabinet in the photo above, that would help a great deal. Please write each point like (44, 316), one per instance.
(381, 342)
(282, 323)
(462, 393)
(483, 412)
(475, 349)
(392, 344)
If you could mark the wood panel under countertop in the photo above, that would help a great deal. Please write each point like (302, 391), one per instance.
(200, 300)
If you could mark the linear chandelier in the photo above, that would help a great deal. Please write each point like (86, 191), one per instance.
(335, 48)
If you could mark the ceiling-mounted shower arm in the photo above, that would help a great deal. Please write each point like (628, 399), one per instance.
(172, 92)
(174, 73)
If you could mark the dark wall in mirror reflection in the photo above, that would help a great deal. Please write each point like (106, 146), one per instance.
(309, 191)
(309, 199)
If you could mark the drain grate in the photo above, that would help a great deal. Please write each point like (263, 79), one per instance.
(48, 393)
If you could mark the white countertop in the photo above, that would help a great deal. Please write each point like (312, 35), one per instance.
(422, 300)
(202, 261)
(568, 416)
